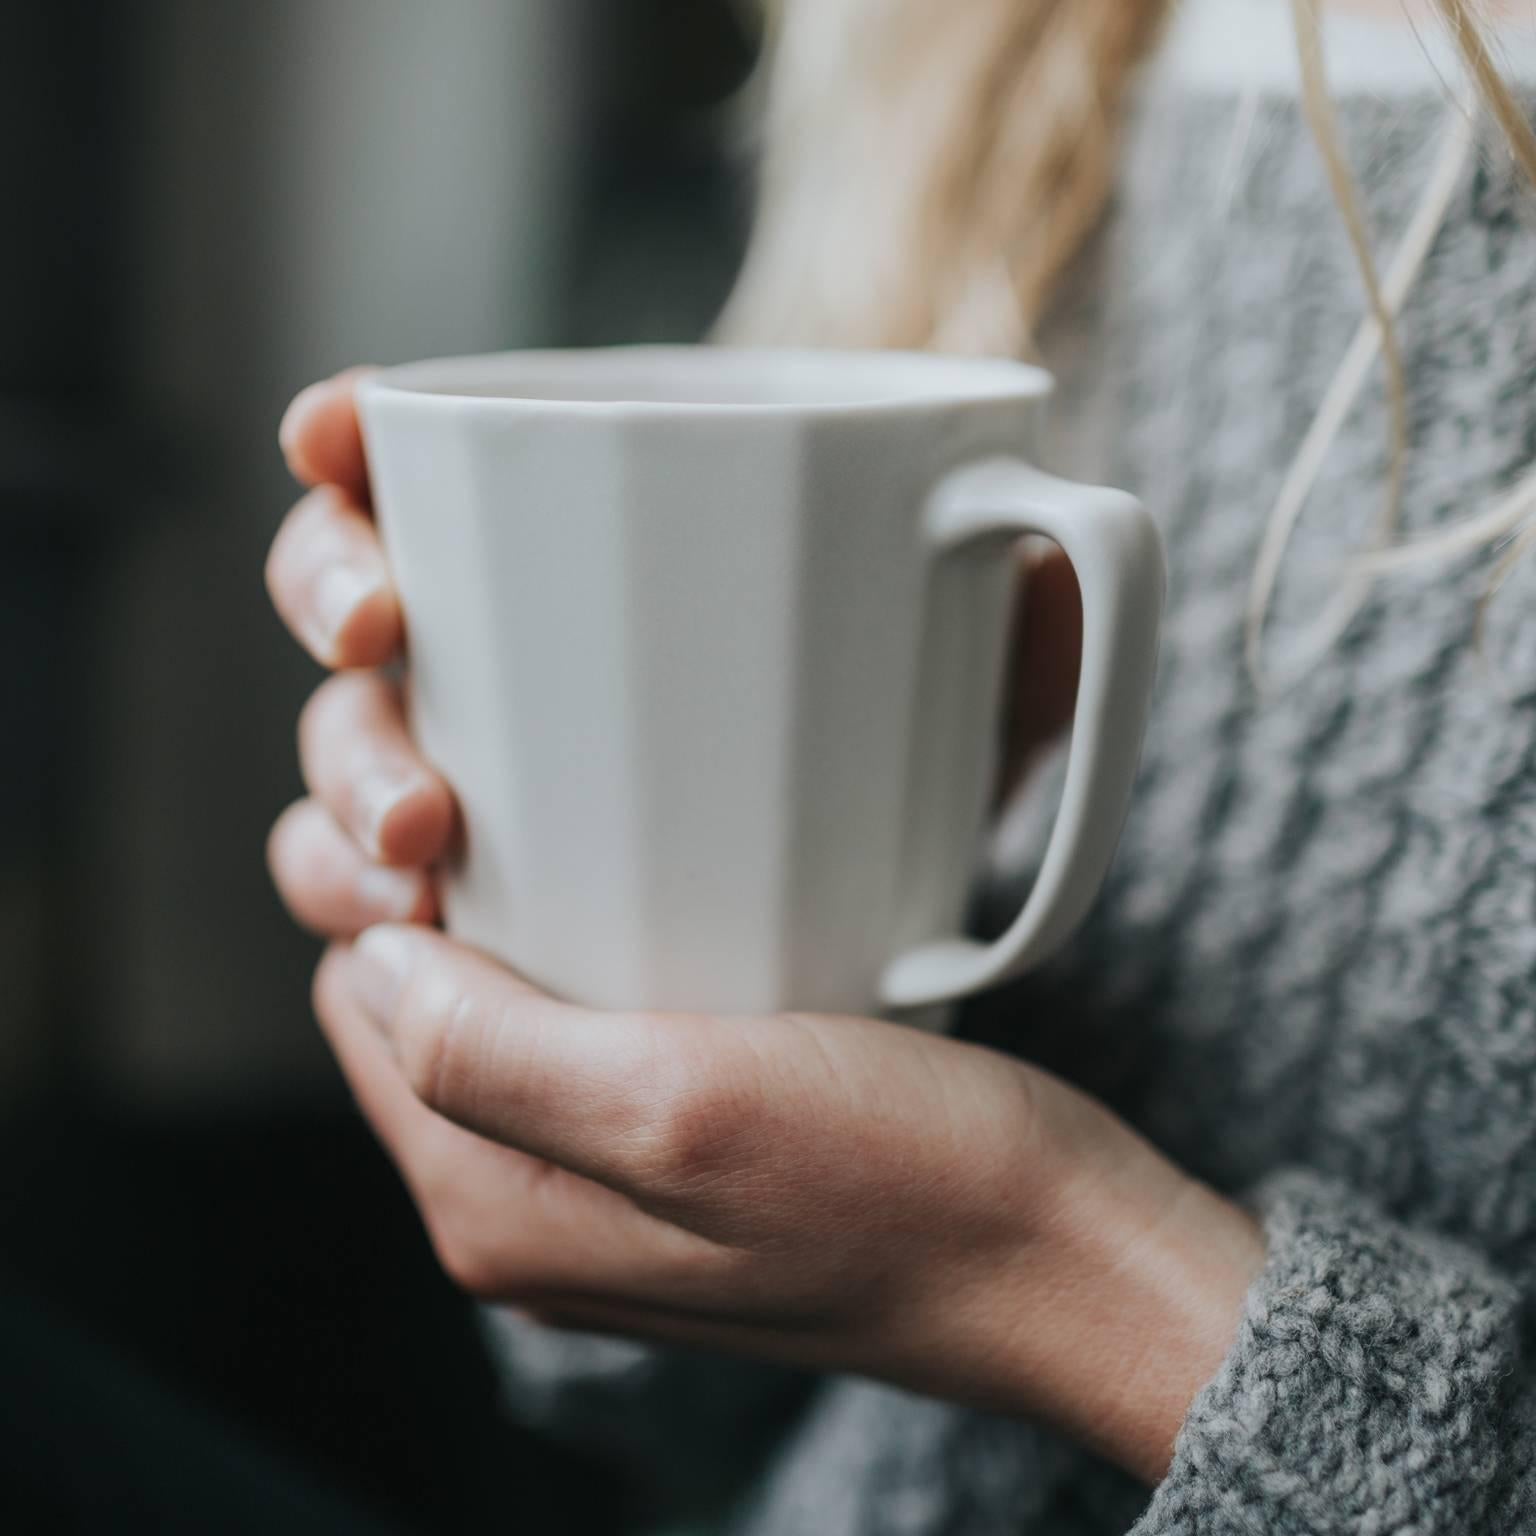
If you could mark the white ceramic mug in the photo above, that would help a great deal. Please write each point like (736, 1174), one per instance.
(710, 644)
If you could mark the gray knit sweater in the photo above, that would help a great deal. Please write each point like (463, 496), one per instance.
(1312, 976)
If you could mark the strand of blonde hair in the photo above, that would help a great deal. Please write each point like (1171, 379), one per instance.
(1317, 105)
(1490, 85)
(1510, 519)
(1339, 400)
(933, 168)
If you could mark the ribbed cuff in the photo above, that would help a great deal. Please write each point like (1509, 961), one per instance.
(1368, 1389)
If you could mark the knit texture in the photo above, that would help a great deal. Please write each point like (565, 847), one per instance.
(1311, 978)
(1368, 1389)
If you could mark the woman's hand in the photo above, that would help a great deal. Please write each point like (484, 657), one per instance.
(357, 849)
(833, 1193)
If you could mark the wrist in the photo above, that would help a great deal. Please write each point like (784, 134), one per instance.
(1125, 1299)
(1158, 1308)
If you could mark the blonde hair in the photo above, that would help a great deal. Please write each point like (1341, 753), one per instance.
(932, 167)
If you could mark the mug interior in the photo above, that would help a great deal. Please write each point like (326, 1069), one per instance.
(719, 377)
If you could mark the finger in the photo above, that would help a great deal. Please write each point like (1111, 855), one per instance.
(630, 1101)
(360, 763)
(321, 438)
(1045, 656)
(330, 887)
(411, 1133)
(328, 580)
(506, 1226)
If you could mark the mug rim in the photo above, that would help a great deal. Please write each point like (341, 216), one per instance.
(907, 381)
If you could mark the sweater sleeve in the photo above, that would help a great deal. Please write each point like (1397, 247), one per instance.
(1377, 1385)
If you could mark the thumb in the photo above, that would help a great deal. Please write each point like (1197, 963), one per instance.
(591, 1092)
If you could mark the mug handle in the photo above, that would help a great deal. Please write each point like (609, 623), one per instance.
(1117, 553)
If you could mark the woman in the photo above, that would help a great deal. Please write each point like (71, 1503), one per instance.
(1243, 1238)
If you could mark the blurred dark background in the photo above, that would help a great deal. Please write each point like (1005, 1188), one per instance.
(208, 205)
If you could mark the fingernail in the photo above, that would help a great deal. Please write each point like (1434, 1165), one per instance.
(376, 798)
(390, 895)
(300, 408)
(381, 960)
(338, 592)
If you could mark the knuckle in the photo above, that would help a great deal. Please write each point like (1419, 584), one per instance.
(441, 1037)
(685, 1141)
(309, 870)
(466, 1258)
(295, 859)
(280, 838)
(333, 723)
(476, 1251)
(313, 714)
(300, 537)
(688, 1129)
(326, 988)
(272, 569)
(320, 985)
(330, 704)
(314, 512)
